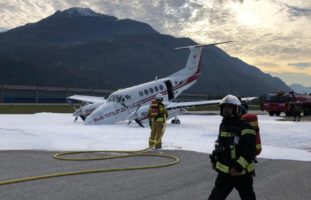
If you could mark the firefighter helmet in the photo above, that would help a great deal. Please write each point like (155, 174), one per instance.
(159, 97)
(231, 100)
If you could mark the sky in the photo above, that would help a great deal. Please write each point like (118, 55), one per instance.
(273, 35)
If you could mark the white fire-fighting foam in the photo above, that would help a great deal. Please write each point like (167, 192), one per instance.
(58, 132)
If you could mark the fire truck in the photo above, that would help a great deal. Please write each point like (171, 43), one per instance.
(280, 102)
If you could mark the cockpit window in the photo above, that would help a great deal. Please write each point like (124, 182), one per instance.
(118, 98)
(128, 97)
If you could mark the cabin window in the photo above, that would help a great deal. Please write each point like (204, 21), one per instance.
(156, 88)
(175, 82)
(146, 92)
(161, 87)
(141, 93)
(151, 90)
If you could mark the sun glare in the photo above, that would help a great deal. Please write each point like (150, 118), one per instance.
(255, 13)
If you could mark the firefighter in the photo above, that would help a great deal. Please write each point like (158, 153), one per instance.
(157, 115)
(234, 154)
(297, 112)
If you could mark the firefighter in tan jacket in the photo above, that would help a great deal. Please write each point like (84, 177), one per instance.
(157, 115)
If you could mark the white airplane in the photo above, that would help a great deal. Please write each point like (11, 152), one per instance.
(132, 103)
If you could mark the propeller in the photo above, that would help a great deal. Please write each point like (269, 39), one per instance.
(139, 122)
(74, 108)
(72, 105)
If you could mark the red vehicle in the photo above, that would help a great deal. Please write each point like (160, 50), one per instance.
(280, 102)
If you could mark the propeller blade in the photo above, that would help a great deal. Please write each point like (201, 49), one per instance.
(138, 121)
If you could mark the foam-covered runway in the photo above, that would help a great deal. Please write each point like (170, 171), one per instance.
(58, 132)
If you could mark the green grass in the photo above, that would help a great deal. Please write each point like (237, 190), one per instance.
(33, 108)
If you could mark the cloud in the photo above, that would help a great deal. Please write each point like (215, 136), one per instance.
(300, 65)
(297, 11)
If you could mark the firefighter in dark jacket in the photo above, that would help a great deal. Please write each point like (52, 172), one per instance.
(234, 154)
(297, 110)
(157, 115)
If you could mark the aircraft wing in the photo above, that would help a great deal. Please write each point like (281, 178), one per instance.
(190, 104)
(87, 99)
(249, 99)
(176, 105)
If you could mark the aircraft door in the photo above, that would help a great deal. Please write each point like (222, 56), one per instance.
(170, 90)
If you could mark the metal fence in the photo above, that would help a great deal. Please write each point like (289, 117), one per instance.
(38, 94)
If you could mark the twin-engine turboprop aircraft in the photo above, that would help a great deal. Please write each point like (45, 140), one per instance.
(132, 103)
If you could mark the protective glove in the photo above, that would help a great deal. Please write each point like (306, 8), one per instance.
(213, 159)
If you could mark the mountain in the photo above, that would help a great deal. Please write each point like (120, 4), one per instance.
(3, 29)
(81, 48)
(300, 88)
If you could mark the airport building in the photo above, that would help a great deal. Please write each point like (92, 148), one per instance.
(38, 94)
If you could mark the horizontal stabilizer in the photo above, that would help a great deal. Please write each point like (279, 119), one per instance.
(203, 45)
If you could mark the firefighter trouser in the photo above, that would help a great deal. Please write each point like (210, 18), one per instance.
(298, 116)
(157, 131)
(225, 183)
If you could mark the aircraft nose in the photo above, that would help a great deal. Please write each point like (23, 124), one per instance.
(97, 116)
(88, 121)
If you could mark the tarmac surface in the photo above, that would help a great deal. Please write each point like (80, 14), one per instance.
(192, 178)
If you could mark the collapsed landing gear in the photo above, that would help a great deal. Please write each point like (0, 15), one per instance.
(175, 121)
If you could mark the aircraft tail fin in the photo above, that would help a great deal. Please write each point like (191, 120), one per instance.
(194, 59)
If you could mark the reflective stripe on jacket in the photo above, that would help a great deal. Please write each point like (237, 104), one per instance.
(157, 111)
(238, 140)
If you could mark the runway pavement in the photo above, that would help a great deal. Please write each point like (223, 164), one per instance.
(193, 178)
